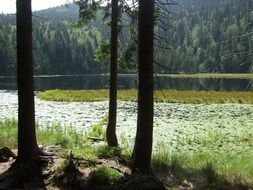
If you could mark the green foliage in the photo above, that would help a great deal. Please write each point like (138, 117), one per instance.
(108, 152)
(98, 130)
(88, 9)
(104, 176)
(215, 167)
(126, 29)
(103, 53)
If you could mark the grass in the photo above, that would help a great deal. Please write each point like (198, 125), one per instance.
(216, 165)
(98, 130)
(8, 133)
(104, 176)
(65, 136)
(215, 168)
(170, 96)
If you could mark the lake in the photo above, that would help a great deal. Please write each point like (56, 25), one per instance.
(129, 82)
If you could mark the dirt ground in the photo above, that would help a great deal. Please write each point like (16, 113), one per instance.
(62, 173)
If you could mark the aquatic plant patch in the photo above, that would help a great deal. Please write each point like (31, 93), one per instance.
(169, 96)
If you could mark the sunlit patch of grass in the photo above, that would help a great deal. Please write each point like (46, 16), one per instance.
(98, 130)
(216, 167)
(8, 133)
(86, 151)
(170, 96)
(65, 136)
(104, 176)
(108, 152)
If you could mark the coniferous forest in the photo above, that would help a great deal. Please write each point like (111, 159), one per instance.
(200, 37)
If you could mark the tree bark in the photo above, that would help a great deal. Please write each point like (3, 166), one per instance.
(112, 118)
(27, 144)
(144, 135)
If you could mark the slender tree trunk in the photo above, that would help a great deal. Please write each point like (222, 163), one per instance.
(27, 144)
(144, 135)
(111, 127)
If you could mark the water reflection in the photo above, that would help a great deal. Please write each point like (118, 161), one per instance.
(128, 82)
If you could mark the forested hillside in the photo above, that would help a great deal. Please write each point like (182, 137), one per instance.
(203, 36)
(60, 46)
(210, 36)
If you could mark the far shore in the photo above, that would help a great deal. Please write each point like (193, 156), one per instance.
(175, 75)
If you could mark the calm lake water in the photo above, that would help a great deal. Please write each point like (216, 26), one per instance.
(128, 82)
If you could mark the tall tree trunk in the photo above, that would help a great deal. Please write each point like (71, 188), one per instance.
(111, 127)
(144, 135)
(27, 144)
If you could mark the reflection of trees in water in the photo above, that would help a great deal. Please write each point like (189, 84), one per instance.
(215, 84)
(251, 85)
(127, 82)
(8, 83)
(130, 82)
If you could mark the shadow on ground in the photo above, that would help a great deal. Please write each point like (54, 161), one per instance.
(78, 174)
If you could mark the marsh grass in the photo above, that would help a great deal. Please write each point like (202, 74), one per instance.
(169, 96)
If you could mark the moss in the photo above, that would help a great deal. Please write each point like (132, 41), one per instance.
(108, 152)
(104, 176)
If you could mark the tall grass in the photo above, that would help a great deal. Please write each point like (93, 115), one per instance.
(170, 96)
(66, 136)
(236, 169)
(8, 133)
